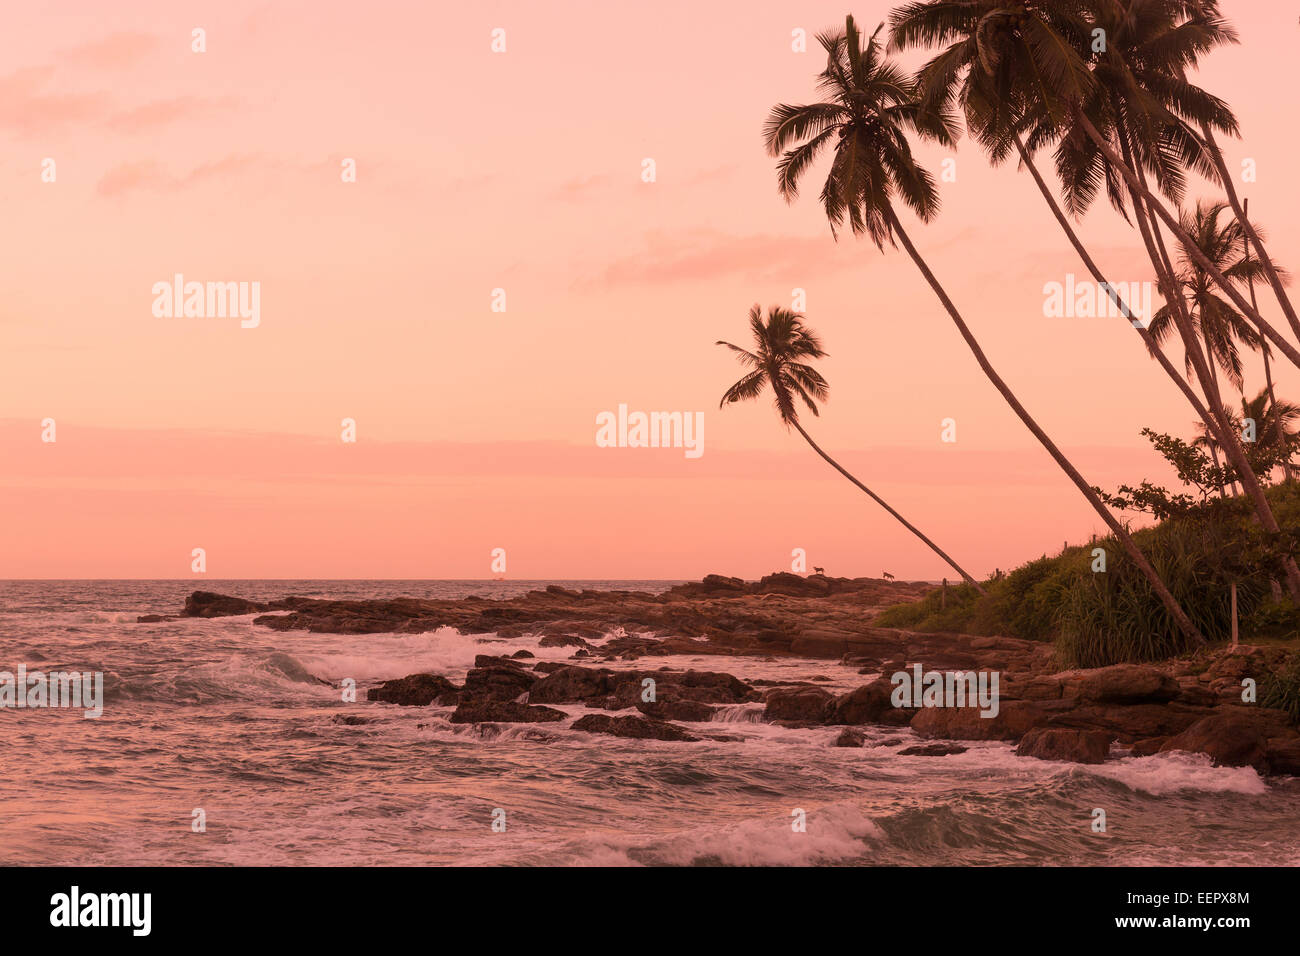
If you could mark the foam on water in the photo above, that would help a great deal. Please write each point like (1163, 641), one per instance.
(230, 716)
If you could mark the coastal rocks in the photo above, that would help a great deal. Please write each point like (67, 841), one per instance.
(1237, 737)
(417, 690)
(1075, 746)
(1127, 684)
(1132, 723)
(504, 711)
(691, 711)
(496, 678)
(868, 704)
(794, 585)
(851, 737)
(634, 727)
(802, 704)
(1013, 720)
(821, 642)
(571, 683)
(208, 604)
(933, 750)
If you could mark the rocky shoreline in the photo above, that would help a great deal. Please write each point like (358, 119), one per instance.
(1086, 716)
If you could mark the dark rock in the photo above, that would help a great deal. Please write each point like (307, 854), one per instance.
(417, 690)
(635, 727)
(496, 678)
(1075, 746)
(562, 640)
(1147, 747)
(350, 720)
(692, 711)
(1012, 721)
(932, 750)
(851, 737)
(572, 683)
(505, 711)
(807, 704)
(1127, 684)
(1232, 736)
(868, 704)
(207, 604)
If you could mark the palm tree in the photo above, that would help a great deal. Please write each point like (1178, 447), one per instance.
(779, 344)
(1209, 10)
(1139, 119)
(996, 51)
(872, 106)
(1218, 322)
(1135, 122)
(1276, 439)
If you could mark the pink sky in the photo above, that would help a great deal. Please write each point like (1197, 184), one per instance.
(522, 171)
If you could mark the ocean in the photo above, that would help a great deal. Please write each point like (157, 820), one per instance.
(224, 723)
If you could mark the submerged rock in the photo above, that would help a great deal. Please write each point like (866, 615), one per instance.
(933, 750)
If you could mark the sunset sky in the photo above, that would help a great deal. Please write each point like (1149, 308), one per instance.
(522, 171)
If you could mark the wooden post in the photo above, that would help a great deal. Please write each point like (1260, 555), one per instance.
(943, 595)
(1234, 613)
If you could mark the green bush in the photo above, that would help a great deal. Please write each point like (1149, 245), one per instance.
(1105, 618)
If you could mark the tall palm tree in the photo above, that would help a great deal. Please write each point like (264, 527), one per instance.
(1135, 122)
(1218, 322)
(996, 52)
(779, 345)
(872, 105)
(1139, 119)
(1208, 10)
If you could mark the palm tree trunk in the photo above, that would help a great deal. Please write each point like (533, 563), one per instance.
(1218, 398)
(1273, 278)
(881, 501)
(1152, 346)
(1149, 226)
(1158, 209)
(1180, 617)
(1288, 473)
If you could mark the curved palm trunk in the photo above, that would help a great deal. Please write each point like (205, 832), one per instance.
(1273, 278)
(1153, 347)
(1288, 473)
(881, 501)
(1126, 541)
(1150, 229)
(1158, 209)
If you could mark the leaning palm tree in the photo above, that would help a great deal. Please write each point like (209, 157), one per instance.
(994, 54)
(1216, 321)
(872, 104)
(779, 345)
(1140, 118)
(1136, 121)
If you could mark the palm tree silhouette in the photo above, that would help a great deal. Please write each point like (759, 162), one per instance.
(780, 344)
(872, 106)
(994, 53)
